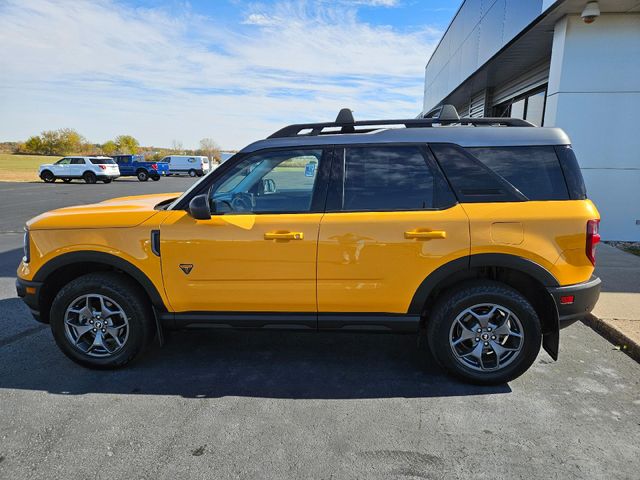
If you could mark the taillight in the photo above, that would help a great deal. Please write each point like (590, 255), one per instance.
(103, 167)
(154, 166)
(593, 239)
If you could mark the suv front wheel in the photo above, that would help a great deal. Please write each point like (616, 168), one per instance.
(484, 332)
(101, 320)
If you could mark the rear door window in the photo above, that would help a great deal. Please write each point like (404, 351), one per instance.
(386, 178)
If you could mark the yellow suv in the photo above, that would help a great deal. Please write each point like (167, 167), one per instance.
(476, 232)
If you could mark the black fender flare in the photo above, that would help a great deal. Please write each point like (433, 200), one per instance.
(468, 262)
(88, 256)
(461, 264)
(550, 340)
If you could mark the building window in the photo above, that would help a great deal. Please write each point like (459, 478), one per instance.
(529, 106)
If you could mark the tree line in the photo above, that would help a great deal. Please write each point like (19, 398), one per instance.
(67, 141)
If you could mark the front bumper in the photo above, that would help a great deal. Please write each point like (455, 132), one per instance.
(585, 295)
(29, 292)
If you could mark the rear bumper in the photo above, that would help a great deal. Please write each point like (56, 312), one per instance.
(29, 292)
(103, 176)
(585, 296)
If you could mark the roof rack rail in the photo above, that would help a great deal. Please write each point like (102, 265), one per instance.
(447, 115)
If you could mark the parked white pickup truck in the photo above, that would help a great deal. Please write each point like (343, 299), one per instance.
(89, 169)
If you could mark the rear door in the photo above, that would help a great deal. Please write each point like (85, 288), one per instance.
(125, 165)
(77, 167)
(391, 220)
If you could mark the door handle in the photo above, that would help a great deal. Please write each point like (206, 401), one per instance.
(425, 234)
(284, 236)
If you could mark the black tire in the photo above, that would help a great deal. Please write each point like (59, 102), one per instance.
(142, 175)
(66, 180)
(155, 178)
(192, 173)
(200, 173)
(107, 180)
(89, 177)
(128, 296)
(440, 328)
(48, 177)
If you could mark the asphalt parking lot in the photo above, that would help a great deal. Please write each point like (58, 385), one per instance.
(225, 404)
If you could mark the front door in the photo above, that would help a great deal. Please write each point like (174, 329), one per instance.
(257, 253)
(62, 168)
(391, 221)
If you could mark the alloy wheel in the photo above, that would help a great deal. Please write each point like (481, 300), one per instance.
(96, 325)
(486, 337)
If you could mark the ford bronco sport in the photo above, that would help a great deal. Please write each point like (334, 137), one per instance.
(474, 232)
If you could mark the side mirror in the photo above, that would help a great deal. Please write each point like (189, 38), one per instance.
(199, 207)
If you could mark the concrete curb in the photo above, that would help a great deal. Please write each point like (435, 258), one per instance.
(614, 335)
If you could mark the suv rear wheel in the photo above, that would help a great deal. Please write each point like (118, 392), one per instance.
(101, 320)
(484, 332)
(89, 177)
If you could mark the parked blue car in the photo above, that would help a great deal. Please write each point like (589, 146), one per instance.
(135, 166)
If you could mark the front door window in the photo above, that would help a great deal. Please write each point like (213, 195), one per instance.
(271, 182)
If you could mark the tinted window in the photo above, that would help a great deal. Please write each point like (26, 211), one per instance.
(98, 161)
(279, 181)
(471, 180)
(534, 171)
(77, 161)
(572, 173)
(386, 178)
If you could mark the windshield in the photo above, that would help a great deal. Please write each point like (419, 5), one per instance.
(189, 190)
(192, 187)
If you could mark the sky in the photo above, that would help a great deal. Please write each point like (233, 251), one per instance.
(230, 70)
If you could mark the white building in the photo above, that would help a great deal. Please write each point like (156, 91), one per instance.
(540, 60)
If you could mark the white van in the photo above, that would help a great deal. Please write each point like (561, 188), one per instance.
(192, 165)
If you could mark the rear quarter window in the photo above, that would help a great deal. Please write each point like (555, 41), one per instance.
(102, 161)
(534, 171)
(572, 172)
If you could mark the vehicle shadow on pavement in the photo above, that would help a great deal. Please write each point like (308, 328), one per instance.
(9, 262)
(218, 363)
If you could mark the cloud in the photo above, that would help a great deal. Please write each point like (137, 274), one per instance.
(376, 3)
(259, 19)
(106, 68)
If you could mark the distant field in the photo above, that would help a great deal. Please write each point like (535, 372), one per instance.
(22, 167)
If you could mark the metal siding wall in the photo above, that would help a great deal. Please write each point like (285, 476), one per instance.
(478, 31)
(534, 78)
(477, 107)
